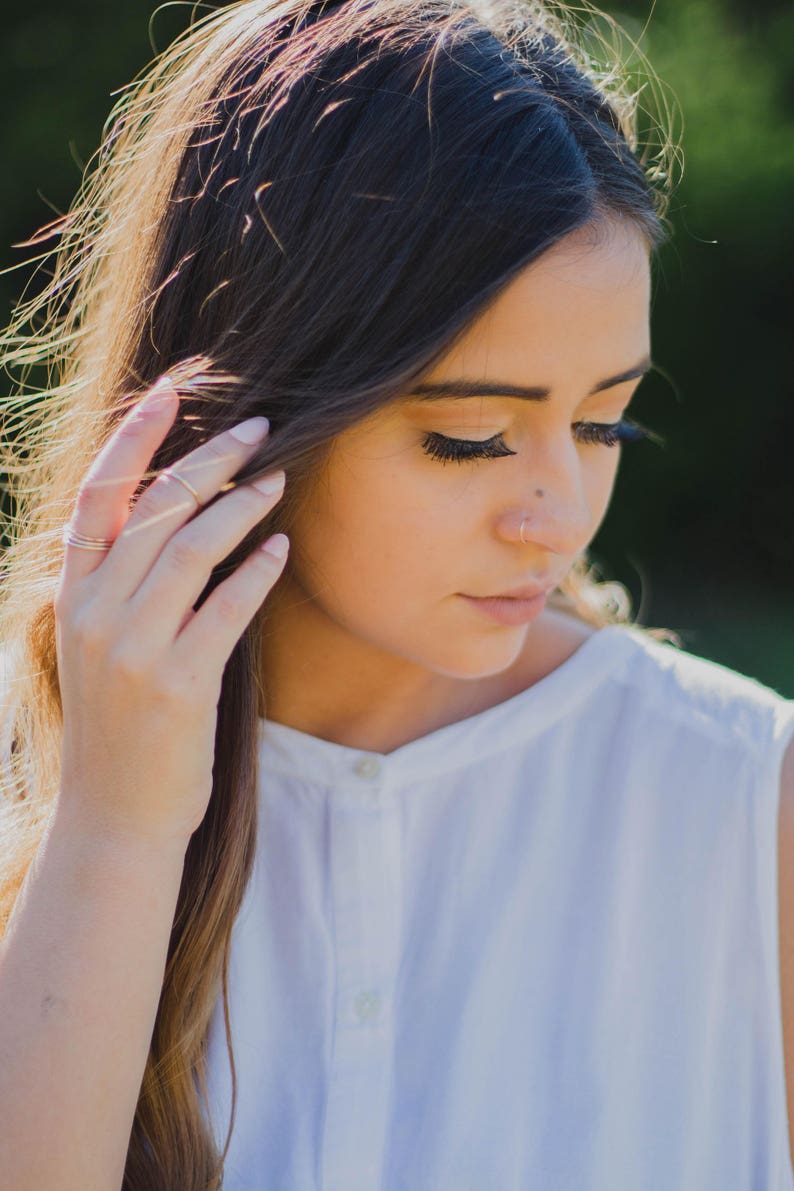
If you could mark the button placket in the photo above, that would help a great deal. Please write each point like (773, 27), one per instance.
(367, 767)
(369, 772)
(366, 870)
(367, 1005)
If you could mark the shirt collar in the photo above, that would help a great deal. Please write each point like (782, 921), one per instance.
(328, 764)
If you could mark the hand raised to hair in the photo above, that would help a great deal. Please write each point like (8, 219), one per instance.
(140, 671)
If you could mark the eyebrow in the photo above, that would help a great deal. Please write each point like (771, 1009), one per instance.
(495, 388)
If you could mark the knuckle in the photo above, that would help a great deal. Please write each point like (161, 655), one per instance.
(92, 495)
(129, 663)
(161, 494)
(186, 553)
(221, 450)
(91, 631)
(228, 609)
(150, 503)
(133, 428)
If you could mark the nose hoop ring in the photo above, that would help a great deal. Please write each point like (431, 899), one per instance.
(538, 492)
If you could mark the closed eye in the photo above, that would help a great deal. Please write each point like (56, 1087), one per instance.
(608, 434)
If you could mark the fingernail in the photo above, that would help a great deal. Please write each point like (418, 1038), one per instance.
(270, 485)
(251, 431)
(278, 545)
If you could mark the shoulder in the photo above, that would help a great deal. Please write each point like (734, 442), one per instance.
(754, 726)
(705, 697)
(660, 683)
(786, 923)
(733, 737)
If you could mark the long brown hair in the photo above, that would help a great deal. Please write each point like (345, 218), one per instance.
(296, 209)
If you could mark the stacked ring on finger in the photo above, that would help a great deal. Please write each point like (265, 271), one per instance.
(72, 538)
(169, 471)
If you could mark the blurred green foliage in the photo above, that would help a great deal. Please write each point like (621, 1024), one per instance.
(702, 531)
(711, 520)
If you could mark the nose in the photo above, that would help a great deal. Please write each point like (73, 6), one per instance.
(553, 509)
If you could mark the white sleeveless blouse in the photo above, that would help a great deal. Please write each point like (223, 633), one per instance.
(534, 950)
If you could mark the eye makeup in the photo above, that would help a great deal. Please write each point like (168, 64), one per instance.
(459, 450)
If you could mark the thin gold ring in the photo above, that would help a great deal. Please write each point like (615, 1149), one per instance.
(72, 538)
(181, 479)
(521, 531)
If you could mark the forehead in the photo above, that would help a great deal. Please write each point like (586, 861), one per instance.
(576, 315)
(585, 303)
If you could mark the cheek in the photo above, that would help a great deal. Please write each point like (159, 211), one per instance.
(374, 534)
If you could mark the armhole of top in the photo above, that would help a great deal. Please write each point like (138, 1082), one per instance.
(782, 732)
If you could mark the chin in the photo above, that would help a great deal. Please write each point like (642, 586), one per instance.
(480, 659)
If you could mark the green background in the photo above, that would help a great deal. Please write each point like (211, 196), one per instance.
(702, 532)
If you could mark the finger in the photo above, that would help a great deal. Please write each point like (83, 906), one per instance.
(157, 610)
(166, 506)
(205, 644)
(102, 506)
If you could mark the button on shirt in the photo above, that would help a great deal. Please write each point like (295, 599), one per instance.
(534, 950)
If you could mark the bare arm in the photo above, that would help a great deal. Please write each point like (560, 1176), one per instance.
(81, 969)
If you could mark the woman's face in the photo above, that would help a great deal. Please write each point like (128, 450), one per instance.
(392, 537)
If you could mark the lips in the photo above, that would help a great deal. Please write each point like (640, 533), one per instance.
(509, 610)
(519, 593)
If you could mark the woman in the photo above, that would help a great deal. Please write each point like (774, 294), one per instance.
(404, 860)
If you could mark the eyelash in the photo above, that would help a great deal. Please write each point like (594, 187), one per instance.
(607, 434)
